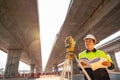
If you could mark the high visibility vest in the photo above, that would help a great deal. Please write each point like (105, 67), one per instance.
(91, 55)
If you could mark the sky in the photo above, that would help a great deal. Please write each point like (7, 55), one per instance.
(52, 15)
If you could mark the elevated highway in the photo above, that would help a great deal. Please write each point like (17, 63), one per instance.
(98, 17)
(20, 35)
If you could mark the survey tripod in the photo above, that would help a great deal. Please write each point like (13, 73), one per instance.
(68, 63)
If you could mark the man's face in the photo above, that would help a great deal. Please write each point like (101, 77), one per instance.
(89, 43)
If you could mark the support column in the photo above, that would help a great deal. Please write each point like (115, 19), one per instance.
(32, 68)
(12, 64)
(37, 69)
(75, 67)
(50, 69)
(112, 55)
(55, 68)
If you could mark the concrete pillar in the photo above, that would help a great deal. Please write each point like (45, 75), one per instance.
(12, 64)
(50, 69)
(55, 68)
(37, 69)
(112, 55)
(75, 67)
(32, 68)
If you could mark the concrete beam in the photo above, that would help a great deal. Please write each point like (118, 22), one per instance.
(112, 55)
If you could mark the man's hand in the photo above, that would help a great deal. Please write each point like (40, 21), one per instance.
(83, 64)
(106, 63)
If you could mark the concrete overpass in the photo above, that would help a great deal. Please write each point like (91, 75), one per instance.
(99, 17)
(19, 34)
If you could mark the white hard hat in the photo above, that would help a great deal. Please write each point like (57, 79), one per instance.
(91, 37)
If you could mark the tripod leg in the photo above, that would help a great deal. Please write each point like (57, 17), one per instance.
(68, 72)
(66, 64)
(71, 69)
(84, 71)
(63, 70)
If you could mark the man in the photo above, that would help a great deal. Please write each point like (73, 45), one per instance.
(91, 53)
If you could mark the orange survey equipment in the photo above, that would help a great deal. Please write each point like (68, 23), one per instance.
(68, 63)
(69, 44)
